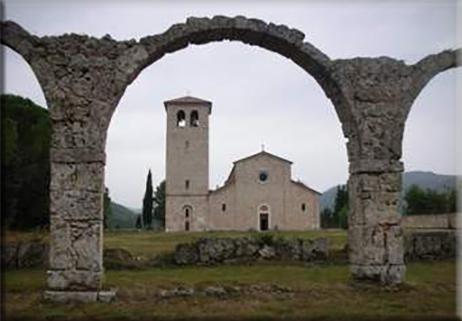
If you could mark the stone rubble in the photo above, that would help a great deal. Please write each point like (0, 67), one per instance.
(210, 251)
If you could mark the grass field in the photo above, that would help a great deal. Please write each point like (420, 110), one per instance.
(312, 291)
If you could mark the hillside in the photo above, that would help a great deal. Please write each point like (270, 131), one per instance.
(121, 217)
(425, 180)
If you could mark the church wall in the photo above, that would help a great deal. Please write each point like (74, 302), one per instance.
(297, 219)
(251, 192)
(223, 219)
(198, 215)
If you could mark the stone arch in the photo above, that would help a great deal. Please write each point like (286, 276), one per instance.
(194, 119)
(181, 118)
(83, 79)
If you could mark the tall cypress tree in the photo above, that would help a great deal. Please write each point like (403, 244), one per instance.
(159, 197)
(148, 202)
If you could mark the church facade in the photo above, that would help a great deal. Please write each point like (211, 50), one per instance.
(259, 193)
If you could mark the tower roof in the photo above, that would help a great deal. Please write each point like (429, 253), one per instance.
(187, 100)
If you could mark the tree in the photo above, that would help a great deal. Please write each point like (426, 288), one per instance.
(159, 198)
(326, 218)
(25, 141)
(148, 203)
(107, 210)
(341, 207)
(138, 222)
(421, 202)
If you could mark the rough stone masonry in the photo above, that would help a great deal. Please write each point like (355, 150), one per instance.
(83, 79)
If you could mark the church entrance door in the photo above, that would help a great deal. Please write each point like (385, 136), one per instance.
(264, 222)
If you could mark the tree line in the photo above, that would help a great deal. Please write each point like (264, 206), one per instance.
(25, 169)
(416, 201)
(419, 201)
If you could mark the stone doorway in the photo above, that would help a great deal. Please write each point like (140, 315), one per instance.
(264, 222)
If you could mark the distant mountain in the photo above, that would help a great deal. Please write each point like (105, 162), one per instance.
(425, 180)
(327, 198)
(121, 217)
(135, 210)
(429, 180)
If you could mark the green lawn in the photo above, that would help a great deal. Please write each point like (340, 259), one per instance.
(316, 292)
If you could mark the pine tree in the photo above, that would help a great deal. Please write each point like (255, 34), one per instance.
(148, 203)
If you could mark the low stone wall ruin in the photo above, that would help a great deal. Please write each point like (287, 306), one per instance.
(439, 221)
(430, 245)
(25, 254)
(228, 250)
(419, 245)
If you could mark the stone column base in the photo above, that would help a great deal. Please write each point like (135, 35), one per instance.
(80, 296)
(387, 274)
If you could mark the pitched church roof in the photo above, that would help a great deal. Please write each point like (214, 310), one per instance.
(302, 185)
(187, 100)
(231, 177)
(262, 153)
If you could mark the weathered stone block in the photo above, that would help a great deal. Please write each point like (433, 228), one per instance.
(377, 209)
(80, 296)
(74, 280)
(366, 245)
(77, 155)
(390, 182)
(76, 205)
(107, 296)
(388, 274)
(77, 177)
(71, 296)
(60, 245)
(375, 165)
(394, 244)
(69, 134)
(87, 245)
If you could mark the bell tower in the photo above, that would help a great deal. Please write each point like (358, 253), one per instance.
(187, 164)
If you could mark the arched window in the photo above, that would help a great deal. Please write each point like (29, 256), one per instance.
(186, 184)
(194, 119)
(180, 119)
(187, 212)
(223, 207)
(303, 207)
(264, 218)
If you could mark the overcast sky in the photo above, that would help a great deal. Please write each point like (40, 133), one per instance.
(258, 96)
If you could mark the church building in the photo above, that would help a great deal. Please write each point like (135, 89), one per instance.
(259, 193)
